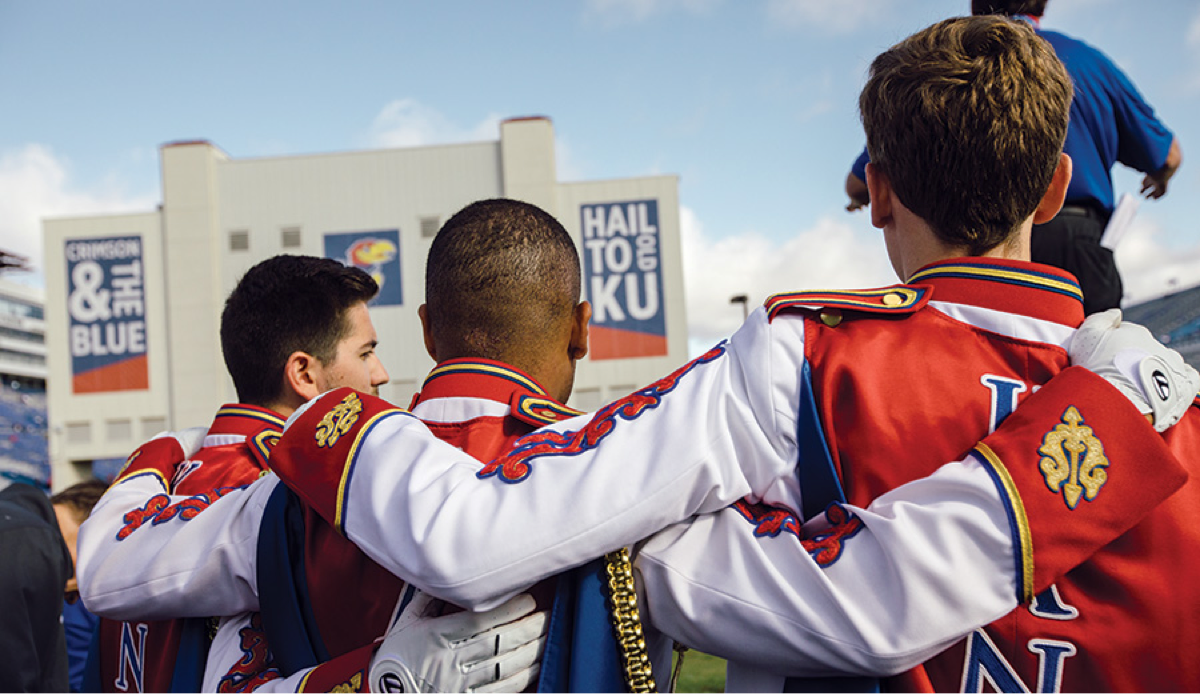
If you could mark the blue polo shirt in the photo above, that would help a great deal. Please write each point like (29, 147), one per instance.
(1110, 123)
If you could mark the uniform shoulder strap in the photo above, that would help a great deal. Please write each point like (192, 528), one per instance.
(540, 411)
(899, 299)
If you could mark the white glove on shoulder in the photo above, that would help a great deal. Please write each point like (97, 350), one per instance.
(1154, 377)
(191, 440)
(491, 651)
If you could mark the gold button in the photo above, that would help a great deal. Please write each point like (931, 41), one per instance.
(831, 317)
(892, 299)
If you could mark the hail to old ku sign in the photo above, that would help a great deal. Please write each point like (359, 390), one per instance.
(106, 305)
(622, 271)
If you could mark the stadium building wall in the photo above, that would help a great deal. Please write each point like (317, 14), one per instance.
(133, 302)
(23, 421)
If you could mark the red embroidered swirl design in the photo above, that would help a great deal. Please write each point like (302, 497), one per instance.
(514, 466)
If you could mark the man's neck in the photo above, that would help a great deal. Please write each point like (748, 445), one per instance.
(925, 248)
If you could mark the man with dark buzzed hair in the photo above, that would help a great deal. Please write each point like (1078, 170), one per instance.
(502, 282)
(504, 323)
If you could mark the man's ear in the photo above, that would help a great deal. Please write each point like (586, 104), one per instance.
(880, 189)
(301, 376)
(1052, 200)
(427, 330)
(577, 348)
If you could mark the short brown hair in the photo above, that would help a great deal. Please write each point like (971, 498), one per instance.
(80, 497)
(967, 119)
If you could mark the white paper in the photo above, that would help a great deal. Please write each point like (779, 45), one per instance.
(1121, 220)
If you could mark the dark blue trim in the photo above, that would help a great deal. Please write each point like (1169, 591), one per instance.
(1014, 528)
(819, 487)
(191, 656)
(91, 671)
(287, 616)
(1012, 280)
(819, 483)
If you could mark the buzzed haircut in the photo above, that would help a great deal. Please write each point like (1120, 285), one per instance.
(967, 119)
(499, 273)
(80, 497)
(1036, 8)
(286, 304)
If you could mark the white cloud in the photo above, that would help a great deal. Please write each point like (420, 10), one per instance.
(832, 254)
(1150, 269)
(1065, 13)
(838, 18)
(566, 165)
(408, 123)
(621, 12)
(37, 185)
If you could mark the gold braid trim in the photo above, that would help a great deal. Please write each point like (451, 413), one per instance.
(627, 622)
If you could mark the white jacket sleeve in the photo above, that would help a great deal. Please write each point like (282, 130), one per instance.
(693, 442)
(176, 565)
(873, 592)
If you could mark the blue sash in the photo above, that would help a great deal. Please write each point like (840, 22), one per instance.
(819, 487)
(287, 616)
(581, 651)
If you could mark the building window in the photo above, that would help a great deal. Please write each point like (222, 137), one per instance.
(79, 432)
(239, 240)
(118, 430)
(20, 309)
(430, 226)
(22, 335)
(290, 237)
(401, 391)
(586, 399)
(12, 355)
(152, 426)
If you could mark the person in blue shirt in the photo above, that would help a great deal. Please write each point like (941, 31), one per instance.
(1110, 122)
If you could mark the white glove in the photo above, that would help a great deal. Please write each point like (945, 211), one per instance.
(191, 440)
(491, 651)
(1154, 377)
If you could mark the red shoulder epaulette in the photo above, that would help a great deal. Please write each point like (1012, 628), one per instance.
(896, 300)
(261, 445)
(157, 457)
(316, 455)
(540, 411)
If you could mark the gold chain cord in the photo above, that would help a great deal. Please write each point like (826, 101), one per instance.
(627, 622)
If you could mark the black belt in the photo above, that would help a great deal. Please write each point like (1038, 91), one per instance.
(1088, 211)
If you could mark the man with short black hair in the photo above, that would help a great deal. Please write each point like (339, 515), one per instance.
(292, 328)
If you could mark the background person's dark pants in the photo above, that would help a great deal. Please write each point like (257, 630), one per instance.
(1071, 241)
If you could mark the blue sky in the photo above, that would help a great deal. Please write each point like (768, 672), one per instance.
(750, 102)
